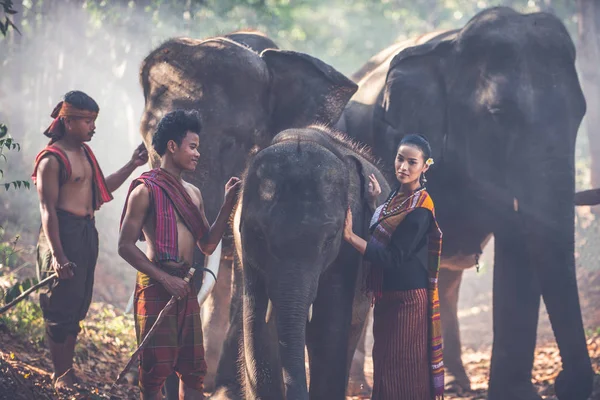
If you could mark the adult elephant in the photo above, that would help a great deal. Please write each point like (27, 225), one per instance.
(302, 284)
(501, 103)
(244, 98)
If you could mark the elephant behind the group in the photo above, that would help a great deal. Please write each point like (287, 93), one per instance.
(302, 283)
(244, 98)
(501, 103)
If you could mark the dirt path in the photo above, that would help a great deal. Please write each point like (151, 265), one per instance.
(24, 372)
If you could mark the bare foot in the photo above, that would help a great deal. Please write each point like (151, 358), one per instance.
(66, 380)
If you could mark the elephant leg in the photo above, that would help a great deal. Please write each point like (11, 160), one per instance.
(227, 381)
(358, 385)
(449, 287)
(261, 372)
(553, 248)
(215, 321)
(329, 342)
(516, 302)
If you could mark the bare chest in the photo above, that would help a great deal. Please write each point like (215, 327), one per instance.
(81, 169)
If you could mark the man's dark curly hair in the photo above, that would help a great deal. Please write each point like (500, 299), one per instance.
(174, 126)
(81, 100)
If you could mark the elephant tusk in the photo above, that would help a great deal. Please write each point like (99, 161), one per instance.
(310, 313)
(515, 204)
(129, 307)
(208, 283)
(213, 263)
(269, 311)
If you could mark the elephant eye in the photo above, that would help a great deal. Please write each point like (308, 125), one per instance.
(329, 240)
(226, 145)
(257, 233)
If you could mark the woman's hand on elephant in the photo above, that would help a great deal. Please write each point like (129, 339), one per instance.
(348, 232)
(231, 189)
(374, 189)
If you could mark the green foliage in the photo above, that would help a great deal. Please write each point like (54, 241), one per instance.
(105, 325)
(18, 288)
(10, 144)
(8, 262)
(8, 252)
(26, 320)
(344, 33)
(7, 7)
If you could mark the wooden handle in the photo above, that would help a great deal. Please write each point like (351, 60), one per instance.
(28, 292)
(189, 275)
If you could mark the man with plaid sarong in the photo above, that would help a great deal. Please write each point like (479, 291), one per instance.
(168, 213)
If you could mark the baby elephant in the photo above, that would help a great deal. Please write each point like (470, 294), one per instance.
(302, 284)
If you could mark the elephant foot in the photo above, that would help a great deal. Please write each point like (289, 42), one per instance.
(358, 387)
(574, 385)
(513, 391)
(457, 383)
(223, 393)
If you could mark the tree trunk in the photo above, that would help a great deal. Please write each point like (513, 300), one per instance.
(588, 60)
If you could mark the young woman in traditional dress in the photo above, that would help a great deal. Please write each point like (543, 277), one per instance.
(404, 252)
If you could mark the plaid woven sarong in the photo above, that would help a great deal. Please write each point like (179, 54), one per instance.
(386, 219)
(400, 349)
(176, 345)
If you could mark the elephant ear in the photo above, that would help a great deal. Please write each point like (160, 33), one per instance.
(414, 99)
(363, 168)
(305, 90)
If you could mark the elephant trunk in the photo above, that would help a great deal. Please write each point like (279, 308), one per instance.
(292, 307)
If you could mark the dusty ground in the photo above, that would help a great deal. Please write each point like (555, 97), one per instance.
(25, 366)
(24, 372)
(546, 368)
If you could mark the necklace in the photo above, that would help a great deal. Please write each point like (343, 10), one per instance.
(387, 212)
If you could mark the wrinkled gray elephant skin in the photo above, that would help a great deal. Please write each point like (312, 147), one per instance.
(302, 283)
(501, 103)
